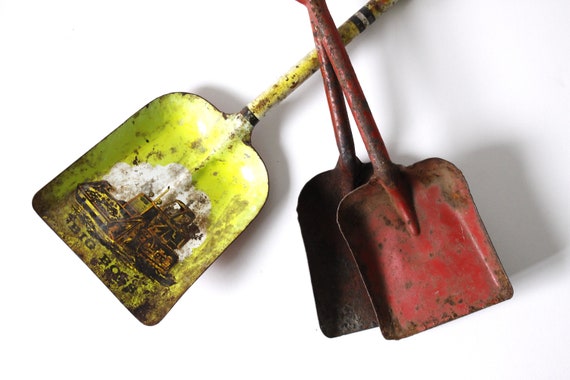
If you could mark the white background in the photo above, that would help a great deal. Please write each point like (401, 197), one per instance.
(484, 84)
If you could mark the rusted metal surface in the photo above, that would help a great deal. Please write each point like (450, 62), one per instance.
(415, 233)
(342, 302)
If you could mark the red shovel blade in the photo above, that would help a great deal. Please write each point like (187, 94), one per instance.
(447, 271)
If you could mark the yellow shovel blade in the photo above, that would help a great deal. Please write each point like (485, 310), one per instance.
(150, 207)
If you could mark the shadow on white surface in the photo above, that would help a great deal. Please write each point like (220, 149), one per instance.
(521, 231)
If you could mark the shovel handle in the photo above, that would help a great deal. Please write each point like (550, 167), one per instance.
(386, 173)
(309, 64)
(348, 160)
(323, 26)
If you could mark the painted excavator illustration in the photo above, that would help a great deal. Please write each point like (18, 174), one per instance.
(141, 231)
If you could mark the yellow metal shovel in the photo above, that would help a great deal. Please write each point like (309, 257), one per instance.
(151, 206)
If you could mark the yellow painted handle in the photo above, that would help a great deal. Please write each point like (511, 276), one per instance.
(309, 64)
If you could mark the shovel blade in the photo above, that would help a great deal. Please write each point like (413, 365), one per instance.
(447, 271)
(150, 207)
(341, 299)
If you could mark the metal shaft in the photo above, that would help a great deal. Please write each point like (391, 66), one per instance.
(309, 64)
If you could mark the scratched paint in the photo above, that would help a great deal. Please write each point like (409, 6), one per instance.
(448, 270)
(192, 183)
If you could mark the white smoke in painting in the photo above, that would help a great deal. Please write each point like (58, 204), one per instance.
(170, 182)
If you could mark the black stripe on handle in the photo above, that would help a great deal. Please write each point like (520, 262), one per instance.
(362, 19)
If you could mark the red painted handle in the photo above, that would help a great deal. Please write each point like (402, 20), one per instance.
(385, 172)
(325, 29)
(348, 161)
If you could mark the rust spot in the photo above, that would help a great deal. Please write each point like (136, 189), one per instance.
(449, 300)
(455, 198)
(143, 311)
(157, 153)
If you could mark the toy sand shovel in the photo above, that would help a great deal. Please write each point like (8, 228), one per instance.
(151, 206)
(342, 302)
(423, 252)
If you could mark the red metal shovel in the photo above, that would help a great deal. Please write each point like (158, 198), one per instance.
(421, 247)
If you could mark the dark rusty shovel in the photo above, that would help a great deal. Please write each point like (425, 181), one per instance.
(423, 252)
(342, 302)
